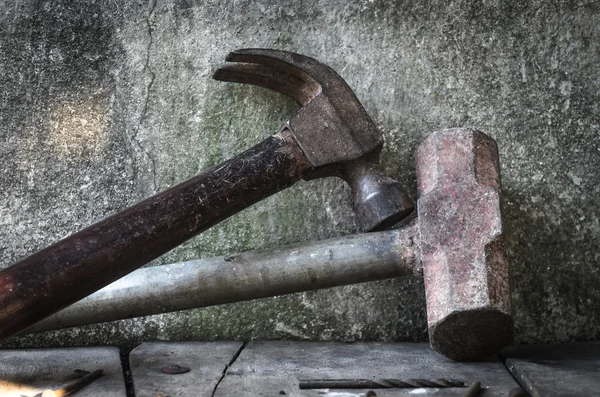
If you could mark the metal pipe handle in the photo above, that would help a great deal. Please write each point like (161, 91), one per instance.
(249, 275)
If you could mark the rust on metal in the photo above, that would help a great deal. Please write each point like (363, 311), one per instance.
(464, 259)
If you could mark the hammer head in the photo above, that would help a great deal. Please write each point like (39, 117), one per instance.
(464, 261)
(332, 128)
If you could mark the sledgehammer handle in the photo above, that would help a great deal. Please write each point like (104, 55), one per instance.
(84, 262)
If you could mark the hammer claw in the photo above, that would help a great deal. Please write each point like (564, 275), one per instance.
(275, 58)
(295, 84)
(321, 74)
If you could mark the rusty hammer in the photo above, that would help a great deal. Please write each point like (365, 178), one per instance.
(456, 243)
(331, 135)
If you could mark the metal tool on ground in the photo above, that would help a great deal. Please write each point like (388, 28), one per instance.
(331, 135)
(473, 390)
(378, 383)
(74, 386)
(456, 242)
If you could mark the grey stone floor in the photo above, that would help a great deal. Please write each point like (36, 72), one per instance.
(275, 368)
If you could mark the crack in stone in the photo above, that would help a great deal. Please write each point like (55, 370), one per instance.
(231, 362)
(152, 75)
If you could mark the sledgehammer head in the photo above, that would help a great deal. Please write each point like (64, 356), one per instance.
(464, 260)
(333, 129)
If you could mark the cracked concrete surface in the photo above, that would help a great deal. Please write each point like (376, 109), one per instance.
(227, 366)
(148, 91)
(103, 104)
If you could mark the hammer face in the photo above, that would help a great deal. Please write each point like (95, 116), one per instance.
(464, 260)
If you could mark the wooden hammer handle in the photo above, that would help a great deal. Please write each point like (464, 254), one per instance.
(84, 262)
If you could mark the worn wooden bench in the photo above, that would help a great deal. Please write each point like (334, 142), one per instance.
(275, 368)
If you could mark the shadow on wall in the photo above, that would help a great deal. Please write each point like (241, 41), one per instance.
(62, 157)
(554, 295)
(64, 87)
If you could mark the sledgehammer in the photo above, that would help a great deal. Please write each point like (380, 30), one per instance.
(455, 243)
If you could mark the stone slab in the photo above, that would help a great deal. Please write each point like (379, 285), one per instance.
(206, 361)
(275, 368)
(557, 370)
(27, 372)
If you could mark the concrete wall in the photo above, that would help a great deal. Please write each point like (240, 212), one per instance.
(103, 103)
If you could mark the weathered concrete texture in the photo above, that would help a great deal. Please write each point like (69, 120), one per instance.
(104, 103)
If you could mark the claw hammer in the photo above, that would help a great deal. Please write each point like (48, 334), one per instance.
(331, 135)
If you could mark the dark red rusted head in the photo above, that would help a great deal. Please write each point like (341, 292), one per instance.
(464, 261)
(333, 129)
